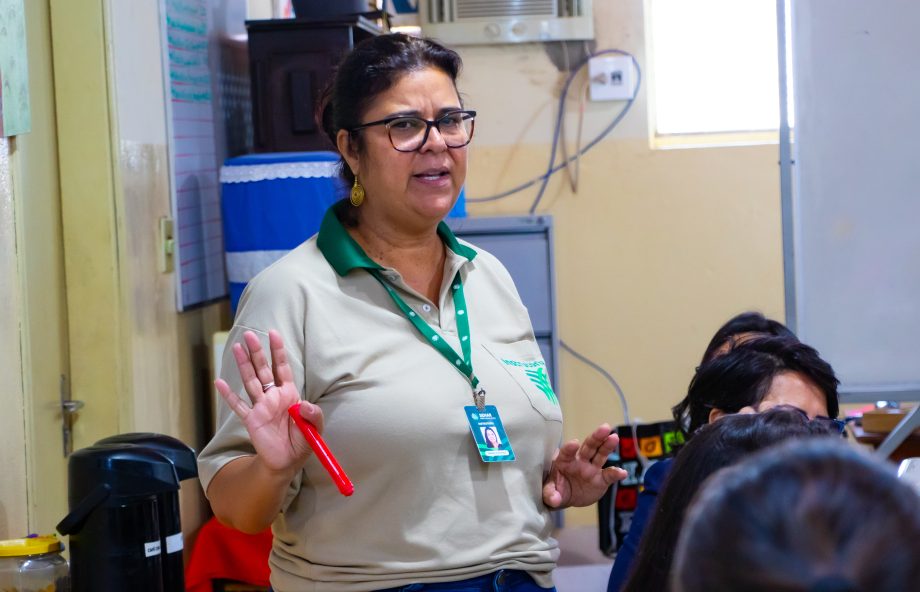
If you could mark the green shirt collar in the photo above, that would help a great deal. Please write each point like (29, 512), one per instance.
(344, 254)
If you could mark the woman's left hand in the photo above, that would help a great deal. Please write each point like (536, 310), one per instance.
(577, 476)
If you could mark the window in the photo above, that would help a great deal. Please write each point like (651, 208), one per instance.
(715, 70)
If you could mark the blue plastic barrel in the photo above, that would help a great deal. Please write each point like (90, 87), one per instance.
(272, 202)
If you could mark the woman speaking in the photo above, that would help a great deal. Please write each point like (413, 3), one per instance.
(400, 342)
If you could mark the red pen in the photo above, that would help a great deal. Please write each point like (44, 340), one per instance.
(322, 451)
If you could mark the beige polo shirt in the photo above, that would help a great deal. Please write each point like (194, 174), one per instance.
(425, 507)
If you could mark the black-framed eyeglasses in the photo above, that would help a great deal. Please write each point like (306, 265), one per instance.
(408, 134)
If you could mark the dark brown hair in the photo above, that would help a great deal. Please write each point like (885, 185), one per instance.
(742, 377)
(803, 517)
(746, 322)
(717, 445)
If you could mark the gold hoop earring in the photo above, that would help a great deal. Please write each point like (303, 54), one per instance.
(357, 193)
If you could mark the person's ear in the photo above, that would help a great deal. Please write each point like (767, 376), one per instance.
(716, 413)
(347, 149)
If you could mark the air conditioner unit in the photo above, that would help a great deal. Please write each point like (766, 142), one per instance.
(477, 22)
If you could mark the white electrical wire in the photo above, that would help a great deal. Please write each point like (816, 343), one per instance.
(627, 418)
(616, 386)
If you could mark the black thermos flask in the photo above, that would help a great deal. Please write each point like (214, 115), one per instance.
(114, 526)
(183, 460)
(124, 525)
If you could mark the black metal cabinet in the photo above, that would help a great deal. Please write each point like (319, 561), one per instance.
(291, 61)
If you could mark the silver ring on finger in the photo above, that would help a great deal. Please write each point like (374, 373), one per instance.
(267, 385)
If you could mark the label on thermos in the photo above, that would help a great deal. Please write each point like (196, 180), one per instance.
(152, 549)
(174, 543)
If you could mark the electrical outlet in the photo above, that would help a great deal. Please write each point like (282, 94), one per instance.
(612, 78)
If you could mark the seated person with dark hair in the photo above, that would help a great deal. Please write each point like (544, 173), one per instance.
(756, 373)
(713, 447)
(739, 329)
(813, 516)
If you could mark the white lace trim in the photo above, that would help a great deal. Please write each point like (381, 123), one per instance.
(279, 170)
(242, 266)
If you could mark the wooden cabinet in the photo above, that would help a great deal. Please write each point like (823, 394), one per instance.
(291, 61)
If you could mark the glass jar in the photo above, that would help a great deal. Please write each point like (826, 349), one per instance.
(33, 564)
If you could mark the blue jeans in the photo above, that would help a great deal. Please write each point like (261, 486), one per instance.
(505, 580)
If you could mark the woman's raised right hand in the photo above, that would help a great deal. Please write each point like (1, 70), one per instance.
(278, 443)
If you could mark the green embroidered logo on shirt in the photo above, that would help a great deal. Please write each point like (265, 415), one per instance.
(541, 381)
(536, 372)
(517, 364)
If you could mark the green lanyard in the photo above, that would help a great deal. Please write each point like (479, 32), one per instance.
(463, 364)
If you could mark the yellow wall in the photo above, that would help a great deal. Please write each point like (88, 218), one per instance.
(655, 251)
(13, 500)
(41, 255)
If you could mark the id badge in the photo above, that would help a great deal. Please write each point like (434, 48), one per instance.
(490, 436)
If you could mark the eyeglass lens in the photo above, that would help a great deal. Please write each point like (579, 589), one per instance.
(409, 133)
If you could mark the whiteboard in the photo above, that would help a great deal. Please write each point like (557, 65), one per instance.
(854, 269)
(199, 247)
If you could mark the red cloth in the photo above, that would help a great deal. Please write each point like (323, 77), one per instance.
(223, 553)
